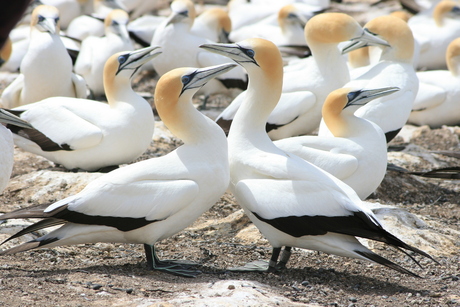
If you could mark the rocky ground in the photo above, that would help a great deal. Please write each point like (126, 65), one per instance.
(424, 212)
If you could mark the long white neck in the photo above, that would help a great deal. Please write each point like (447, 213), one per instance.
(330, 61)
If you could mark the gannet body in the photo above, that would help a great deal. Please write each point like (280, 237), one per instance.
(180, 49)
(291, 201)
(357, 152)
(437, 101)
(307, 84)
(153, 199)
(95, 51)
(395, 69)
(87, 134)
(434, 33)
(46, 69)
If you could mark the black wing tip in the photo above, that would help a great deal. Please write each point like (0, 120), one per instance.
(28, 246)
(385, 262)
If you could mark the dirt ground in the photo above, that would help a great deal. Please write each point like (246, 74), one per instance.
(116, 274)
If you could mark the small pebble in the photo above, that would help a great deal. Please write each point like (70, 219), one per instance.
(231, 287)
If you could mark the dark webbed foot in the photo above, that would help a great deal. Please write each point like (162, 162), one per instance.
(175, 267)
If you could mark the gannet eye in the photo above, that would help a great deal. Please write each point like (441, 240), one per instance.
(114, 23)
(185, 79)
(250, 53)
(122, 58)
(40, 18)
(56, 19)
(352, 95)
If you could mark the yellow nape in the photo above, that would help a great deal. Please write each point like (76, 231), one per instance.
(453, 56)
(402, 15)
(331, 28)
(267, 56)
(221, 17)
(6, 50)
(167, 92)
(119, 15)
(441, 9)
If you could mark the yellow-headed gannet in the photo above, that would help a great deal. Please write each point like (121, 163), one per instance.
(95, 51)
(291, 201)
(357, 154)
(149, 200)
(394, 69)
(46, 69)
(434, 33)
(438, 97)
(180, 49)
(87, 134)
(307, 83)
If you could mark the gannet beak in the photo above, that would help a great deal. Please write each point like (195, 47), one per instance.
(361, 97)
(201, 76)
(176, 17)
(232, 51)
(366, 39)
(9, 118)
(48, 24)
(135, 59)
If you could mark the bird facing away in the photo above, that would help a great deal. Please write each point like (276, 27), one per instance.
(292, 202)
(7, 146)
(95, 51)
(180, 49)
(357, 152)
(213, 24)
(437, 100)
(394, 69)
(88, 134)
(149, 200)
(307, 83)
(46, 69)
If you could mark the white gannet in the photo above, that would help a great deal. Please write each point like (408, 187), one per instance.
(292, 202)
(357, 154)
(434, 33)
(288, 32)
(213, 24)
(149, 200)
(7, 146)
(87, 134)
(95, 51)
(46, 69)
(307, 84)
(92, 25)
(437, 101)
(394, 69)
(180, 49)
(68, 10)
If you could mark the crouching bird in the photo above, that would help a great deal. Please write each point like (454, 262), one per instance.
(149, 200)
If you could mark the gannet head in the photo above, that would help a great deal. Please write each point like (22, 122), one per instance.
(5, 52)
(290, 15)
(123, 66)
(219, 20)
(453, 57)
(116, 22)
(179, 85)
(401, 15)
(182, 11)
(253, 54)
(45, 18)
(445, 9)
(347, 100)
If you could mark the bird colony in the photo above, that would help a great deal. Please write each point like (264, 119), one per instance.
(301, 146)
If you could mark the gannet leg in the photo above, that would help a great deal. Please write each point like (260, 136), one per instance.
(175, 267)
(285, 255)
(262, 265)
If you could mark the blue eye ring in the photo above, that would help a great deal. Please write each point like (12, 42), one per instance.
(250, 53)
(123, 58)
(40, 18)
(56, 19)
(185, 79)
(352, 95)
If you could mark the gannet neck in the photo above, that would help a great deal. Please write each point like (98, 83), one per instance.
(117, 86)
(335, 116)
(398, 35)
(359, 57)
(441, 9)
(453, 57)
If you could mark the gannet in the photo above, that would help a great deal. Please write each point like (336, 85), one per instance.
(292, 202)
(46, 69)
(92, 25)
(5, 52)
(357, 154)
(307, 83)
(394, 69)
(180, 49)
(434, 33)
(68, 10)
(288, 32)
(149, 200)
(7, 146)
(213, 24)
(95, 51)
(87, 134)
(437, 101)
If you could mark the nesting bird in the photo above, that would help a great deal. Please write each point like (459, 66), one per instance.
(95, 51)
(437, 101)
(394, 69)
(149, 200)
(307, 83)
(292, 202)
(357, 152)
(87, 134)
(46, 69)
